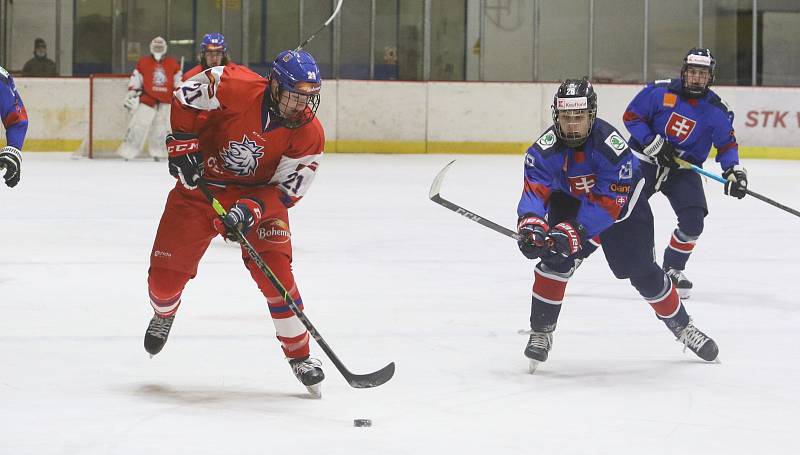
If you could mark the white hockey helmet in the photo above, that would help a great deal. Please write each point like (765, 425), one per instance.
(158, 47)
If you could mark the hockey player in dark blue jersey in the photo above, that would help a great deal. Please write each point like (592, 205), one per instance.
(582, 187)
(683, 118)
(15, 121)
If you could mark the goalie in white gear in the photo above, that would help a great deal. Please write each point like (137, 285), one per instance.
(149, 96)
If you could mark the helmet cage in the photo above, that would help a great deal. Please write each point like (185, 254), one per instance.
(294, 87)
(574, 111)
(697, 58)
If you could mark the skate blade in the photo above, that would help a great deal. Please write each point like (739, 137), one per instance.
(315, 390)
(532, 366)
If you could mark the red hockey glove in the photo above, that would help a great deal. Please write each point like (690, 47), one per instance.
(185, 160)
(566, 238)
(532, 231)
(242, 216)
(736, 185)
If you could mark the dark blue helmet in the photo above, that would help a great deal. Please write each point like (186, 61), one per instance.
(574, 111)
(295, 85)
(213, 42)
(697, 58)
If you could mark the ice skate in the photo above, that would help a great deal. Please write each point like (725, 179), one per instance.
(538, 348)
(701, 344)
(309, 372)
(681, 283)
(157, 333)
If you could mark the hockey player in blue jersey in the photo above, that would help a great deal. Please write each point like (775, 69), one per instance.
(582, 187)
(683, 118)
(15, 121)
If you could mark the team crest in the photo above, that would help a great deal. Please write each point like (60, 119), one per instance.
(679, 127)
(159, 77)
(581, 184)
(241, 158)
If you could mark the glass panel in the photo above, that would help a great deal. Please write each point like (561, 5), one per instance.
(32, 20)
(145, 21)
(410, 39)
(283, 29)
(508, 40)
(208, 19)
(778, 42)
(618, 41)
(563, 38)
(354, 51)
(233, 28)
(92, 37)
(448, 40)
(386, 38)
(181, 33)
(315, 13)
(674, 29)
(728, 32)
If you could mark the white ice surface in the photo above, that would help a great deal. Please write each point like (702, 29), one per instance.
(386, 275)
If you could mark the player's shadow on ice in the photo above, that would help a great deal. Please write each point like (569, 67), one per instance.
(211, 396)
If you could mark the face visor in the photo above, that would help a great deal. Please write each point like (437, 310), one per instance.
(573, 120)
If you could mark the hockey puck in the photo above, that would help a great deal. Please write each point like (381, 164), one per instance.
(362, 423)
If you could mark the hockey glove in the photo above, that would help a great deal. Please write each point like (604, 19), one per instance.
(662, 151)
(10, 160)
(242, 216)
(185, 160)
(565, 238)
(736, 185)
(532, 232)
(132, 100)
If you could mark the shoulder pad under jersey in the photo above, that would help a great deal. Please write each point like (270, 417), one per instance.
(607, 141)
(714, 100)
(3, 74)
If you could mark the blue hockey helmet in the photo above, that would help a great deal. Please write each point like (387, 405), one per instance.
(574, 110)
(697, 58)
(295, 84)
(213, 42)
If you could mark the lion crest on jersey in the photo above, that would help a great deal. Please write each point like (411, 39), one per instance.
(159, 76)
(241, 158)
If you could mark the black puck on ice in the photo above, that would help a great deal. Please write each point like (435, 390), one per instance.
(362, 423)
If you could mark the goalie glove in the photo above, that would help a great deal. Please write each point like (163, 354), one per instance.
(131, 100)
(662, 152)
(243, 216)
(736, 184)
(532, 231)
(185, 160)
(10, 160)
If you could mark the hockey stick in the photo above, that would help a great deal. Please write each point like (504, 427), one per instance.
(359, 381)
(314, 35)
(687, 165)
(436, 187)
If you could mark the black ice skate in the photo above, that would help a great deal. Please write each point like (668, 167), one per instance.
(309, 372)
(157, 333)
(681, 283)
(700, 343)
(538, 348)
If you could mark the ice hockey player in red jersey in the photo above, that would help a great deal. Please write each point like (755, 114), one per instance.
(213, 52)
(149, 96)
(259, 152)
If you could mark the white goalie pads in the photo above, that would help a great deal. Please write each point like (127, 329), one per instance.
(136, 133)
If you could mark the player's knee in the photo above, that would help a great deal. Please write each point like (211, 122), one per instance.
(691, 222)
(165, 284)
(281, 266)
(650, 282)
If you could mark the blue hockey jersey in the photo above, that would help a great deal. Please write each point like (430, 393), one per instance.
(601, 174)
(692, 125)
(12, 111)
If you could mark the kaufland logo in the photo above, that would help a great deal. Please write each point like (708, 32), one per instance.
(571, 103)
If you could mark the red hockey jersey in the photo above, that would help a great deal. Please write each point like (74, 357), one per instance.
(155, 79)
(240, 143)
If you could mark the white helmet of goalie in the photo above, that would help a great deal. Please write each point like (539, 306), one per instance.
(158, 47)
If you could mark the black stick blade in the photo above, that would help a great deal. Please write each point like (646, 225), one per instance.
(366, 381)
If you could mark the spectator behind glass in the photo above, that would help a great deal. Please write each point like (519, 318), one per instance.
(39, 65)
